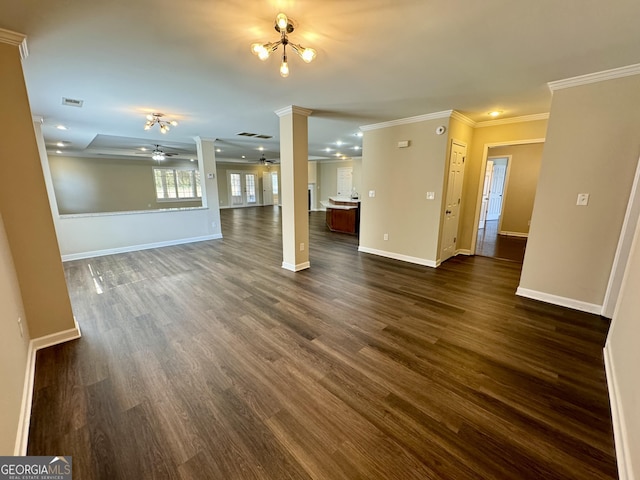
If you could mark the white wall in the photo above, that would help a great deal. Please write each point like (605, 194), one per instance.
(622, 356)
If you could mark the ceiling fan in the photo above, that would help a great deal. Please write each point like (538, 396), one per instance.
(265, 161)
(158, 153)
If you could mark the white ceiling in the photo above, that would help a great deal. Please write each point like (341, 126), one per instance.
(378, 60)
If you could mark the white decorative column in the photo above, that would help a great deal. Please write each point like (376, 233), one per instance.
(209, 183)
(294, 156)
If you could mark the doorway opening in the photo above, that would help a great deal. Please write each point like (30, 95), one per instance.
(506, 196)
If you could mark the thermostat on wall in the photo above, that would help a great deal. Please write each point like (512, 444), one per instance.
(441, 129)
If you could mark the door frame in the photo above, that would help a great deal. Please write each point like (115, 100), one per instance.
(483, 167)
(629, 225)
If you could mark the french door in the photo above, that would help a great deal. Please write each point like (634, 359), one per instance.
(242, 189)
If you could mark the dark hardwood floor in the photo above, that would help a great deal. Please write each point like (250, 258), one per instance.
(209, 361)
(490, 244)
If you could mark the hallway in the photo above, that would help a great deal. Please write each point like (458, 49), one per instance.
(490, 244)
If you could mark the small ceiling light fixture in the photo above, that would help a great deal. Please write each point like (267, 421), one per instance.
(154, 118)
(61, 127)
(495, 113)
(283, 26)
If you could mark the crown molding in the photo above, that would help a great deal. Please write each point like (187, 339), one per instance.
(506, 121)
(405, 121)
(596, 77)
(16, 39)
(464, 119)
(291, 109)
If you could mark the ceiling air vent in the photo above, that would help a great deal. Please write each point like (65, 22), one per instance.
(246, 134)
(72, 102)
(264, 136)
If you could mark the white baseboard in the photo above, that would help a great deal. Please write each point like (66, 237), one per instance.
(399, 256)
(513, 234)
(135, 248)
(560, 301)
(22, 436)
(296, 268)
(463, 251)
(623, 455)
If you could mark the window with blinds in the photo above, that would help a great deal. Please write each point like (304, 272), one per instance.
(177, 184)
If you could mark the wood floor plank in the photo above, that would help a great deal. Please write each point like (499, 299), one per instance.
(210, 361)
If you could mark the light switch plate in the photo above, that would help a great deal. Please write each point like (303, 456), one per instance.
(372, 193)
(431, 195)
(583, 199)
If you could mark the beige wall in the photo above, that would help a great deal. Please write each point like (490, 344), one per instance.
(32, 284)
(95, 185)
(401, 177)
(524, 170)
(25, 209)
(327, 176)
(13, 348)
(223, 181)
(512, 132)
(592, 147)
(623, 356)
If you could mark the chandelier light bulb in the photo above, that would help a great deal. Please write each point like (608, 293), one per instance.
(150, 117)
(308, 54)
(284, 68)
(282, 21)
(147, 126)
(174, 123)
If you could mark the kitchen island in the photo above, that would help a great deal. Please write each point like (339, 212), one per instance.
(343, 214)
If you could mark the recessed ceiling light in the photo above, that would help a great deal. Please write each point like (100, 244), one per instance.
(58, 151)
(218, 150)
(261, 149)
(243, 156)
(327, 149)
(60, 144)
(191, 160)
(61, 127)
(495, 113)
(143, 149)
(339, 143)
(356, 147)
(358, 134)
(338, 154)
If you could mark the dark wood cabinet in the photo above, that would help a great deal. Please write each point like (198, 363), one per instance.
(343, 215)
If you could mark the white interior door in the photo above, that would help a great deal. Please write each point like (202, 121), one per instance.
(267, 189)
(485, 194)
(496, 192)
(345, 181)
(452, 200)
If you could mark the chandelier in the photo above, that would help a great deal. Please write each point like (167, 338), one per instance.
(154, 118)
(283, 26)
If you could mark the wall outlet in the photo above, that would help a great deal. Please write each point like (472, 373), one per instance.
(431, 195)
(372, 193)
(302, 247)
(385, 236)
